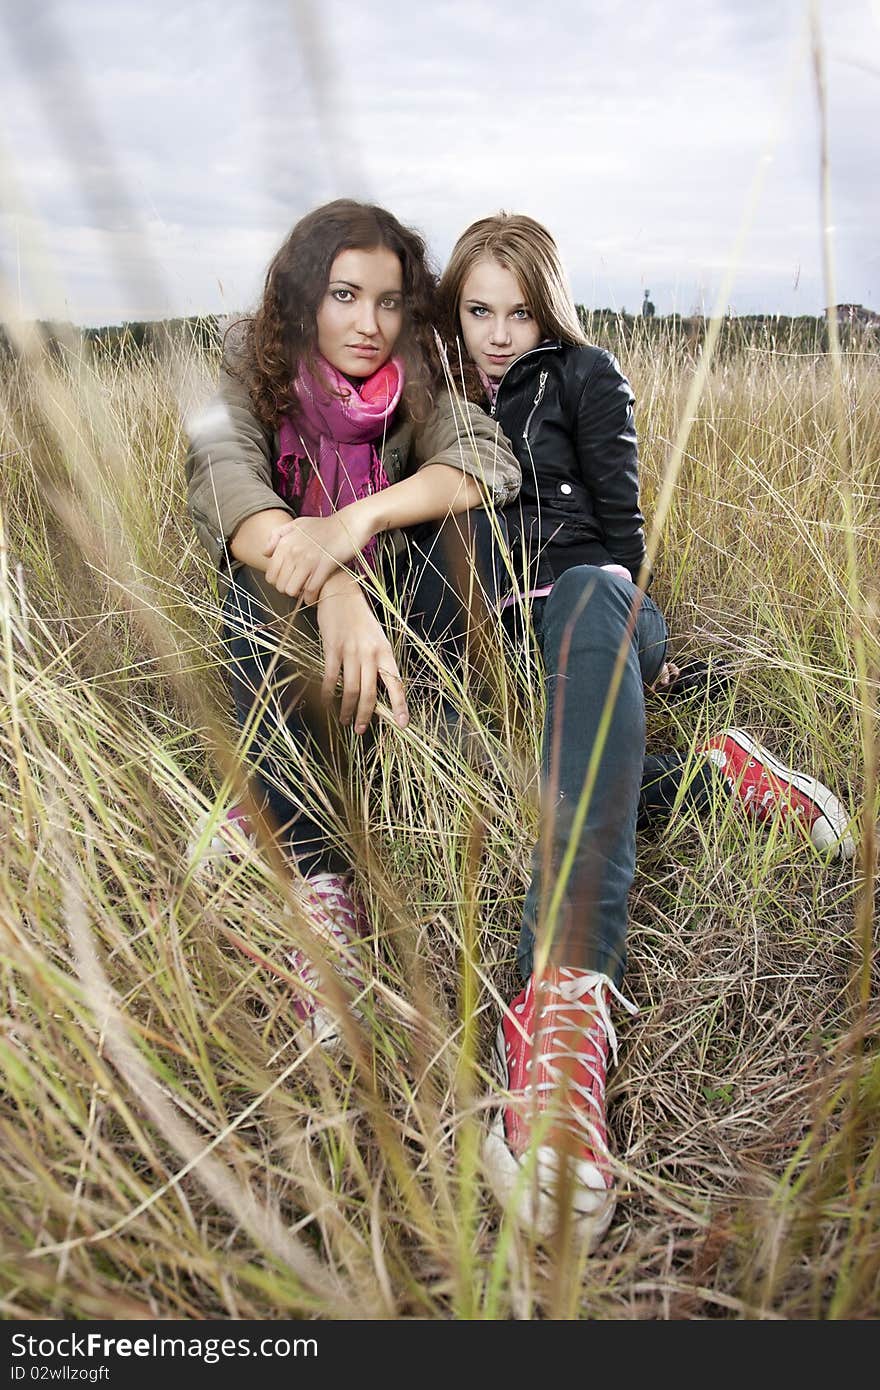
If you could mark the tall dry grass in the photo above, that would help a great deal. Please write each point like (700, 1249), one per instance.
(169, 1153)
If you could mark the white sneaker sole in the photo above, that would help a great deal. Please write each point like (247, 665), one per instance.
(323, 1028)
(229, 846)
(323, 1024)
(527, 1191)
(829, 830)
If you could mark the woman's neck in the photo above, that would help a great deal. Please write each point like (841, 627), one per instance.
(489, 386)
(355, 381)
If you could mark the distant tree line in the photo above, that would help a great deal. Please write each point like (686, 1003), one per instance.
(610, 328)
(739, 332)
(154, 338)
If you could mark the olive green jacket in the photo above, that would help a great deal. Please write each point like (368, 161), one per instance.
(230, 457)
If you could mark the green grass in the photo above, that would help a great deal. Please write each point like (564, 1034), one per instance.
(171, 1154)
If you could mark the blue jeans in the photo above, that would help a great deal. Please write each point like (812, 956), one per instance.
(582, 625)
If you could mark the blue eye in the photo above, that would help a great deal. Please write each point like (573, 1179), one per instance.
(478, 311)
(522, 314)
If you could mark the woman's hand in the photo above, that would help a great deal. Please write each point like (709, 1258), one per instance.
(305, 552)
(669, 674)
(355, 643)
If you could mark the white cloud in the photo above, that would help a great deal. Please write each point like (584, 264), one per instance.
(199, 133)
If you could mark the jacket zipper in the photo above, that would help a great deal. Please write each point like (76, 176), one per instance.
(544, 347)
(542, 382)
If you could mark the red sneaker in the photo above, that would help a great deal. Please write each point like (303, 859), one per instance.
(767, 788)
(341, 922)
(551, 1052)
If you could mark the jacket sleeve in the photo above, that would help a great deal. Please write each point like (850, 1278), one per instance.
(462, 435)
(609, 460)
(228, 466)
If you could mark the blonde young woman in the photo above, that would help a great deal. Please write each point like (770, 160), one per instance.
(578, 546)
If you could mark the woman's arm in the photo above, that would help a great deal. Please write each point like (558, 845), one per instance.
(250, 542)
(609, 461)
(462, 436)
(229, 473)
(306, 552)
(435, 491)
(461, 457)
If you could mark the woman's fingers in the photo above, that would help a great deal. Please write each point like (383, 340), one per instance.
(394, 685)
(355, 641)
(332, 667)
(668, 675)
(299, 566)
(287, 572)
(360, 688)
(288, 577)
(317, 579)
(351, 685)
(295, 586)
(278, 570)
(367, 701)
(301, 562)
(299, 579)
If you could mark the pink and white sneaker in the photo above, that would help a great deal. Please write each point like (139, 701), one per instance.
(336, 916)
(767, 788)
(232, 842)
(341, 921)
(551, 1052)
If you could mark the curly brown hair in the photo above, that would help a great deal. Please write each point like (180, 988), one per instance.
(524, 247)
(283, 332)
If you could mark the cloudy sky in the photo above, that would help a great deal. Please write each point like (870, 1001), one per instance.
(153, 153)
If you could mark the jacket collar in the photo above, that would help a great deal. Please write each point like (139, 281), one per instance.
(551, 345)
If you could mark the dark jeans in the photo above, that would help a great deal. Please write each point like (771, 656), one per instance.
(445, 582)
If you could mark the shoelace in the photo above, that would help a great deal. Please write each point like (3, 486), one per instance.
(575, 985)
(777, 794)
(334, 917)
(592, 1021)
(336, 906)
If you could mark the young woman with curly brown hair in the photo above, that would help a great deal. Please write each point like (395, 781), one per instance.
(332, 452)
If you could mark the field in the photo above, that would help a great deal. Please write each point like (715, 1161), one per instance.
(168, 1151)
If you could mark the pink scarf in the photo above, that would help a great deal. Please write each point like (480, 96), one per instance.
(337, 436)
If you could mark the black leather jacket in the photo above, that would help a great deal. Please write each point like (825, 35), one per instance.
(568, 413)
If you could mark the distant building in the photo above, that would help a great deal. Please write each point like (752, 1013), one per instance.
(856, 315)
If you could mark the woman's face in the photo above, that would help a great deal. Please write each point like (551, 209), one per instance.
(361, 315)
(496, 323)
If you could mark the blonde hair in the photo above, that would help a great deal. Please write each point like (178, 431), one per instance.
(525, 248)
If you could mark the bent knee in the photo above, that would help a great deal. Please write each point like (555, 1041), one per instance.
(588, 584)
